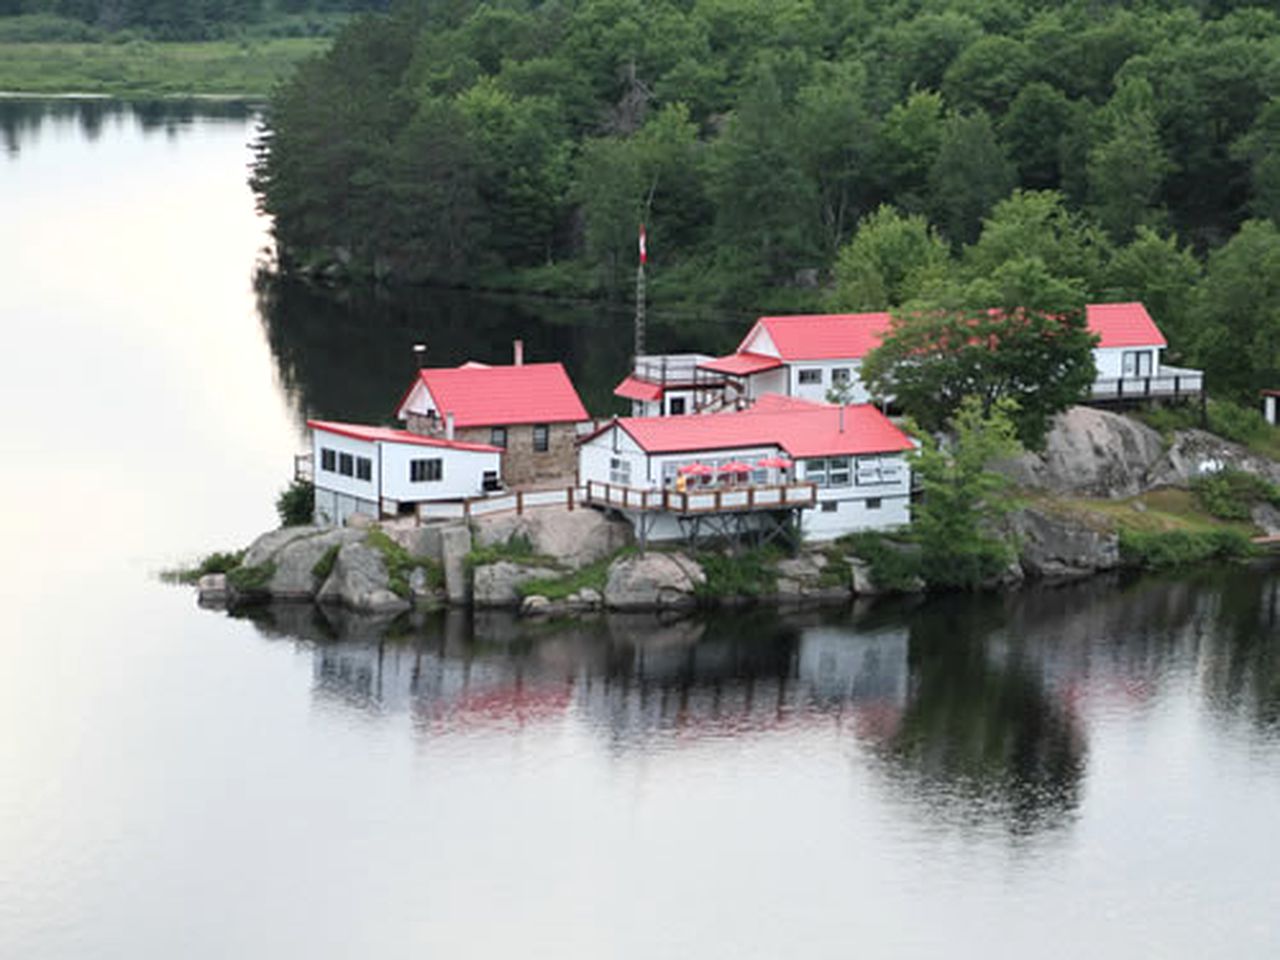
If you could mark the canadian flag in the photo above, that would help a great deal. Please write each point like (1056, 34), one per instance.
(644, 253)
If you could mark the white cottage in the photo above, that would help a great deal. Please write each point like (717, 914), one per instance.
(1270, 405)
(378, 471)
(841, 468)
(810, 355)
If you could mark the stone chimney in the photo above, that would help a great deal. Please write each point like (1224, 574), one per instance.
(517, 351)
(448, 426)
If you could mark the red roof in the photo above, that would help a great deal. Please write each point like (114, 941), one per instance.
(800, 428)
(830, 336)
(634, 388)
(741, 364)
(1123, 325)
(480, 396)
(359, 431)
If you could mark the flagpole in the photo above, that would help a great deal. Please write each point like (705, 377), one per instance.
(640, 296)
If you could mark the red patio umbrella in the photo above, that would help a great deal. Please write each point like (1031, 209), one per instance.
(735, 466)
(696, 469)
(775, 463)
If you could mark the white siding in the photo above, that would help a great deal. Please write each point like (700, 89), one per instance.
(595, 455)
(1269, 409)
(818, 391)
(336, 482)
(1110, 362)
(759, 341)
(771, 381)
(419, 401)
(463, 472)
(852, 512)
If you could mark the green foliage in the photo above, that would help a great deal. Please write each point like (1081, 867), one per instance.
(516, 549)
(1242, 425)
(962, 500)
(895, 566)
(889, 261)
(296, 504)
(593, 576)
(1229, 494)
(400, 564)
(251, 580)
(1018, 335)
(324, 566)
(217, 562)
(1168, 549)
(748, 573)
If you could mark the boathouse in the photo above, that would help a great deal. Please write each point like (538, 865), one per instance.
(830, 469)
(529, 411)
(379, 472)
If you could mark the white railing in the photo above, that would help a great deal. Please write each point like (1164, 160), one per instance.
(673, 369)
(1166, 382)
(517, 501)
(726, 499)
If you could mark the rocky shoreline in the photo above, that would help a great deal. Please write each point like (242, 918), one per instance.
(551, 561)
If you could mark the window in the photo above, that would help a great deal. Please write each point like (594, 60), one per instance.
(812, 375)
(364, 468)
(1137, 363)
(619, 471)
(873, 503)
(541, 437)
(426, 470)
(675, 406)
(328, 460)
(830, 506)
(490, 481)
(346, 464)
(840, 376)
(498, 437)
(828, 472)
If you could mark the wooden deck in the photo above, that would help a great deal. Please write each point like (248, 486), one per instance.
(744, 498)
(1169, 383)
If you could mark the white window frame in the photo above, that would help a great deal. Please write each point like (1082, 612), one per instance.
(807, 376)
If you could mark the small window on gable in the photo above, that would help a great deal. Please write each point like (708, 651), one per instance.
(498, 437)
(328, 460)
(364, 468)
(541, 438)
(346, 464)
(810, 375)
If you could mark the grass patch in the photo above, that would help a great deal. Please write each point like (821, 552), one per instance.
(1231, 421)
(1165, 550)
(516, 549)
(324, 566)
(1232, 494)
(592, 576)
(217, 562)
(140, 68)
(751, 573)
(401, 564)
(1157, 511)
(252, 579)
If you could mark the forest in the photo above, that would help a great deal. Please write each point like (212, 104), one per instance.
(802, 154)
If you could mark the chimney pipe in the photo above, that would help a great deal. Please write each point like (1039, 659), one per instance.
(448, 426)
(517, 348)
(420, 354)
(842, 418)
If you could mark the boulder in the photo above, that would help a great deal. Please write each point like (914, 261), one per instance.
(1090, 453)
(1266, 518)
(420, 541)
(455, 544)
(1055, 547)
(860, 579)
(534, 606)
(294, 577)
(574, 538)
(211, 589)
(653, 581)
(1196, 452)
(267, 545)
(494, 584)
(359, 581)
(800, 580)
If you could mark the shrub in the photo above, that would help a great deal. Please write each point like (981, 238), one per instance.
(1230, 494)
(217, 562)
(517, 549)
(1165, 550)
(893, 566)
(401, 564)
(252, 579)
(296, 504)
(324, 566)
(750, 573)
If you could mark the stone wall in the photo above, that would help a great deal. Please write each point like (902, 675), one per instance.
(522, 466)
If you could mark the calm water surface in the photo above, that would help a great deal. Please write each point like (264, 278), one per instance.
(1092, 771)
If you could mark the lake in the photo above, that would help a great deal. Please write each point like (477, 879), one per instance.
(1089, 771)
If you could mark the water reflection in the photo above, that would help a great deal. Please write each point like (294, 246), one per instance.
(22, 122)
(347, 353)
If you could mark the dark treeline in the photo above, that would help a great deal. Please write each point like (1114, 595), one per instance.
(803, 153)
(159, 19)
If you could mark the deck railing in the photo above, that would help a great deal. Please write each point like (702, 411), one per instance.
(1167, 382)
(727, 499)
(517, 501)
(676, 370)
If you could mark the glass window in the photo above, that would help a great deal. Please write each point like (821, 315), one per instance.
(815, 471)
(328, 460)
(830, 506)
(426, 470)
(1137, 363)
(346, 464)
(498, 437)
(541, 437)
(840, 376)
(873, 503)
(811, 375)
(619, 471)
(364, 468)
(675, 406)
(838, 472)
